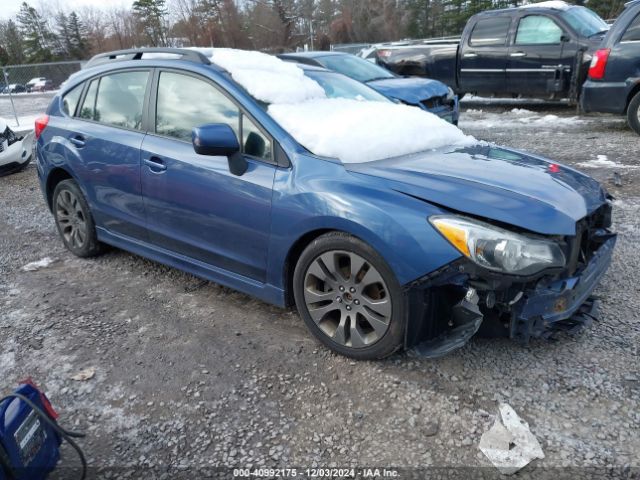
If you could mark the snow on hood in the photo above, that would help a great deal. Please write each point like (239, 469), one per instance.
(265, 77)
(356, 132)
(350, 130)
(3, 125)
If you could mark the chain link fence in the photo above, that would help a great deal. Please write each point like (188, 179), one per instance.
(26, 90)
(27, 75)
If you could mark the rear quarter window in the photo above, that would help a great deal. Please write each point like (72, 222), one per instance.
(633, 31)
(490, 31)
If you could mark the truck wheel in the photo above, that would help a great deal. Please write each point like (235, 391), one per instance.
(74, 221)
(633, 113)
(349, 298)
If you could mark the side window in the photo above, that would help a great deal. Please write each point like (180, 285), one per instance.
(88, 109)
(538, 30)
(71, 99)
(633, 31)
(121, 98)
(185, 102)
(490, 31)
(254, 142)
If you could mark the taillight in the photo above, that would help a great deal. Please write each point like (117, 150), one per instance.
(599, 63)
(384, 53)
(41, 124)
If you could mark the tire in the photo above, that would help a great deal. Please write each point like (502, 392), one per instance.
(74, 220)
(349, 297)
(633, 113)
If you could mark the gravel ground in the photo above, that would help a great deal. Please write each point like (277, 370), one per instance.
(191, 375)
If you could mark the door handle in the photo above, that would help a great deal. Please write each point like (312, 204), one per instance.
(470, 55)
(155, 164)
(518, 54)
(78, 141)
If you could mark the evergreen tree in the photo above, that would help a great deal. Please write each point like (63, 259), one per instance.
(11, 40)
(39, 41)
(64, 36)
(151, 17)
(79, 45)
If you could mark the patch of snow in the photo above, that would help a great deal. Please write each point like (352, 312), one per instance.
(603, 161)
(265, 77)
(522, 111)
(7, 359)
(555, 4)
(33, 266)
(356, 132)
(516, 118)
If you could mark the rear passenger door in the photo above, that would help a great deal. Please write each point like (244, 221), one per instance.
(106, 135)
(483, 56)
(195, 206)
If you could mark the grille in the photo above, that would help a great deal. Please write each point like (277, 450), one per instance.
(434, 102)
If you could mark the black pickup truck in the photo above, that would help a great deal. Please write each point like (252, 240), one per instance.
(538, 50)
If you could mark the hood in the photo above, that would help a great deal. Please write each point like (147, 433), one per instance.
(409, 90)
(494, 183)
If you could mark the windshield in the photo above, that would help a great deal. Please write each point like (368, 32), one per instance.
(354, 67)
(584, 21)
(341, 86)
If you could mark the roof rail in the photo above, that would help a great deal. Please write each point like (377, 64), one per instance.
(632, 2)
(137, 53)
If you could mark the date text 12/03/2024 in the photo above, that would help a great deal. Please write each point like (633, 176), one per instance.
(315, 473)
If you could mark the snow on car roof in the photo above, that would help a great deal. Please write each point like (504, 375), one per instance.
(265, 77)
(554, 4)
(351, 130)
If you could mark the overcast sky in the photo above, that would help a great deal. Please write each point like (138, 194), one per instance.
(10, 8)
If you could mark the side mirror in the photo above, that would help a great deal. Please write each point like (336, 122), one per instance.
(219, 139)
(565, 38)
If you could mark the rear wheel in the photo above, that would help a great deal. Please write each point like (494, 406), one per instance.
(349, 298)
(633, 113)
(74, 221)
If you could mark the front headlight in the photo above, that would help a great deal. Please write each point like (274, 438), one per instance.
(497, 249)
(450, 93)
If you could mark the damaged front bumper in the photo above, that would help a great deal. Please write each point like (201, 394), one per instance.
(451, 305)
(552, 305)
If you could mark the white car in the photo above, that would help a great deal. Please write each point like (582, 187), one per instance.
(15, 151)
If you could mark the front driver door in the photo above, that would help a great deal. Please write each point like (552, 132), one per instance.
(541, 57)
(194, 205)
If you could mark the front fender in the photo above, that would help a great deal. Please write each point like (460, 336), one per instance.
(394, 224)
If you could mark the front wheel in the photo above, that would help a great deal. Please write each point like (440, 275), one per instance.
(349, 298)
(633, 113)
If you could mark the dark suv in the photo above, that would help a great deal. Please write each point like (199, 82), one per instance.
(614, 79)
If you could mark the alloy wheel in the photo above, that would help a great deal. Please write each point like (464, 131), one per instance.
(347, 298)
(71, 219)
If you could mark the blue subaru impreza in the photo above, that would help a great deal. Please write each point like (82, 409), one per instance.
(386, 226)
